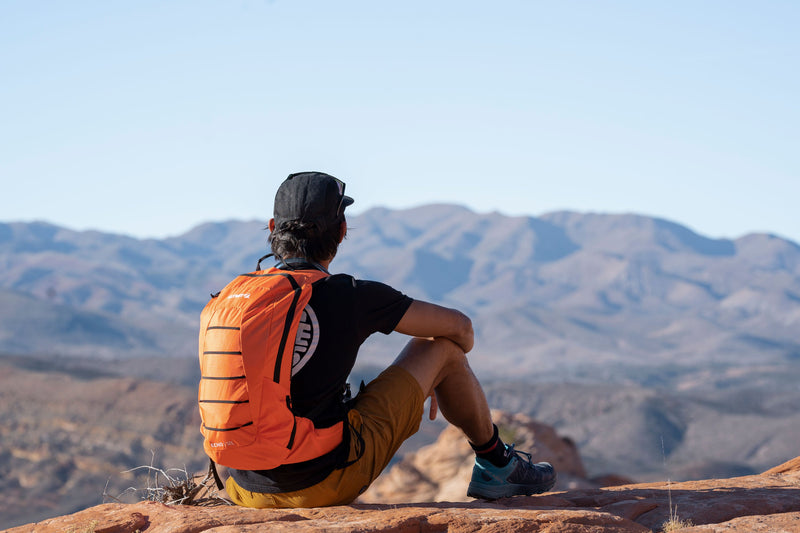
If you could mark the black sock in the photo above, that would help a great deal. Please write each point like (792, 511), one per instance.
(493, 451)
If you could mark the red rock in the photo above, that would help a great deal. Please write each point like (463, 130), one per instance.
(792, 465)
(768, 502)
(776, 523)
(119, 518)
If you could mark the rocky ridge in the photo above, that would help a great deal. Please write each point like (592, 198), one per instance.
(768, 502)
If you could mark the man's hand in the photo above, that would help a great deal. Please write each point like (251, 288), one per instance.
(434, 407)
(423, 319)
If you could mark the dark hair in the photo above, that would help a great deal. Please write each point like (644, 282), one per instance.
(304, 239)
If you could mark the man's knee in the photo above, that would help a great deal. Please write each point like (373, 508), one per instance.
(442, 349)
(431, 360)
(449, 356)
(452, 353)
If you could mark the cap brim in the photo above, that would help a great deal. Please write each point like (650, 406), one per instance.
(346, 200)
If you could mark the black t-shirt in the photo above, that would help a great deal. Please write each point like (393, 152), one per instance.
(340, 315)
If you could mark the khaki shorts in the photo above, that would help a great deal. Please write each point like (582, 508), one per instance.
(386, 412)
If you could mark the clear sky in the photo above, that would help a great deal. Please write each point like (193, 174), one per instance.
(148, 117)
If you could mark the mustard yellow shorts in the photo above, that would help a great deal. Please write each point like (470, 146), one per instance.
(386, 412)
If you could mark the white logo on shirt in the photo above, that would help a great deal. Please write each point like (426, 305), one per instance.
(305, 343)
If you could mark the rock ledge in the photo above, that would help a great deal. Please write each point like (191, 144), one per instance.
(769, 502)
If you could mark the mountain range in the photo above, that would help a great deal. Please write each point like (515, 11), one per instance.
(563, 296)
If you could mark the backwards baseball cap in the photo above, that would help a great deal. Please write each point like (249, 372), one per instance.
(310, 197)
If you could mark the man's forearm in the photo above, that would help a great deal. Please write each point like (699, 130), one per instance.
(425, 319)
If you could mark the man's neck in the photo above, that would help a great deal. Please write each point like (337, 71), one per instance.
(324, 264)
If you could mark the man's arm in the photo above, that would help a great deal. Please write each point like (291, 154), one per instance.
(423, 319)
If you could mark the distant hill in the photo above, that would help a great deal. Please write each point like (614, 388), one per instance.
(562, 296)
(652, 434)
(32, 325)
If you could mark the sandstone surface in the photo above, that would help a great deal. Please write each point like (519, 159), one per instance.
(768, 502)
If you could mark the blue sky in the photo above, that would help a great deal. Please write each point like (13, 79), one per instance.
(147, 118)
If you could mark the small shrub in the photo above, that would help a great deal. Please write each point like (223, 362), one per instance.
(173, 486)
(674, 523)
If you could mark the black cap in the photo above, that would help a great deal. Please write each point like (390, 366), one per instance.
(310, 197)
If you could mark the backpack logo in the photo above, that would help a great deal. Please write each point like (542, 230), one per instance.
(305, 343)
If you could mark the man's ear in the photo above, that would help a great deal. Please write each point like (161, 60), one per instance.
(342, 231)
(271, 225)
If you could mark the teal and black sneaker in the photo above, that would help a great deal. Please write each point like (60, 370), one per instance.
(519, 477)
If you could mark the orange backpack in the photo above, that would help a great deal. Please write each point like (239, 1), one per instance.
(247, 335)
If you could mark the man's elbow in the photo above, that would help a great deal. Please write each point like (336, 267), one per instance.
(465, 333)
(465, 325)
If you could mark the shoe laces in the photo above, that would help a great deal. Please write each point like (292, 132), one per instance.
(518, 454)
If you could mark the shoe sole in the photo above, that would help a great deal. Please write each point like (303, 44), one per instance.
(484, 491)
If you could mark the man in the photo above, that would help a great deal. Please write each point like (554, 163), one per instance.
(305, 233)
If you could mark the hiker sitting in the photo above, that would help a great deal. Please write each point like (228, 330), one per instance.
(277, 347)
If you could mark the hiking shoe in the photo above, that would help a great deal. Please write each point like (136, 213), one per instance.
(519, 477)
